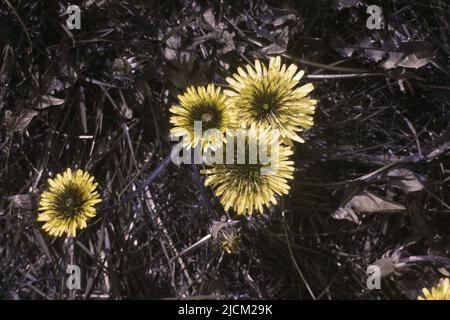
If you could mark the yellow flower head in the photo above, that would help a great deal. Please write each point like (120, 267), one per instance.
(230, 243)
(271, 97)
(68, 203)
(252, 185)
(440, 292)
(205, 104)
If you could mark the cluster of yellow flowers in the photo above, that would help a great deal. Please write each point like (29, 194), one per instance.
(264, 99)
(261, 98)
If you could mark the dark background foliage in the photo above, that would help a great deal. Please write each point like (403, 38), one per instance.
(372, 177)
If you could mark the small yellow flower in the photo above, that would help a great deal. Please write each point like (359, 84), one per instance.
(248, 186)
(68, 203)
(205, 104)
(440, 292)
(230, 243)
(271, 97)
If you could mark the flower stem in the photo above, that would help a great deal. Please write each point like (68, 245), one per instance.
(436, 259)
(155, 174)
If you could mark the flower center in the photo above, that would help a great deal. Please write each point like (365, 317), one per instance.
(265, 100)
(209, 114)
(207, 117)
(69, 201)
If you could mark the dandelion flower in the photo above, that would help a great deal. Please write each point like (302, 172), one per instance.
(205, 104)
(271, 97)
(230, 243)
(248, 186)
(68, 203)
(440, 292)
(226, 234)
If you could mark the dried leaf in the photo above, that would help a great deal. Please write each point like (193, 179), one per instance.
(368, 202)
(392, 60)
(272, 49)
(341, 4)
(173, 46)
(417, 54)
(372, 55)
(412, 54)
(365, 202)
(47, 100)
(280, 45)
(21, 201)
(209, 17)
(19, 120)
(406, 179)
(345, 214)
(280, 20)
